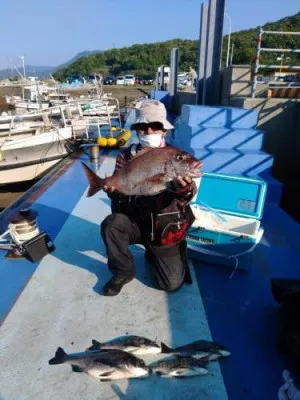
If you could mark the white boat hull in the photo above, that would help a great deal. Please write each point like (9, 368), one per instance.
(27, 157)
(20, 127)
(6, 119)
(26, 173)
(31, 105)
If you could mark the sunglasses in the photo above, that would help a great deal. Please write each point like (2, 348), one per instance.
(142, 126)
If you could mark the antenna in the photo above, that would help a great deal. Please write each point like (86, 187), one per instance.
(23, 64)
(11, 68)
(55, 83)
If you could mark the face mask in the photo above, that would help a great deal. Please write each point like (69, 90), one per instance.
(153, 140)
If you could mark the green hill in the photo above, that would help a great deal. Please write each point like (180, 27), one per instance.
(143, 59)
(245, 42)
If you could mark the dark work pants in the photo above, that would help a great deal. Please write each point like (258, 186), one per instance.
(169, 263)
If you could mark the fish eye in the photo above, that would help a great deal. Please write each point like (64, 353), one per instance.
(180, 157)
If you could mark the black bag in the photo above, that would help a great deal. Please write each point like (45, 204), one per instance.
(287, 293)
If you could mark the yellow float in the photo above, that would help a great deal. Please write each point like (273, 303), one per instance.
(111, 142)
(115, 141)
(102, 141)
(123, 137)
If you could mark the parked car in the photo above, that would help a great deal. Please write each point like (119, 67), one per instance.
(75, 79)
(129, 80)
(146, 80)
(109, 80)
(94, 77)
(292, 78)
(120, 80)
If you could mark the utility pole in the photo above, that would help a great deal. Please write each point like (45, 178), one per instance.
(281, 62)
(229, 37)
(201, 59)
(231, 55)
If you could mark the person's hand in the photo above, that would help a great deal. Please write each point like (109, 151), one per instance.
(183, 181)
(108, 189)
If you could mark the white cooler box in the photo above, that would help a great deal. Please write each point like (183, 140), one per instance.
(228, 209)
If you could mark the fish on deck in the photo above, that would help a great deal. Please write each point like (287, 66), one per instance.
(199, 349)
(133, 344)
(179, 367)
(104, 365)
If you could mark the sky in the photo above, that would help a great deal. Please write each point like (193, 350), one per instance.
(51, 32)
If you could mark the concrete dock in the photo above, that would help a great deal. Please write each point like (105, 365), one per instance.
(58, 302)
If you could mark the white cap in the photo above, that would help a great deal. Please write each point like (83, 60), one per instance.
(152, 111)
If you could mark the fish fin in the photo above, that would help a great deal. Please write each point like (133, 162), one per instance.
(201, 361)
(179, 372)
(75, 368)
(225, 353)
(214, 356)
(107, 373)
(204, 359)
(96, 183)
(165, 348)
(59, 358)
(152, 184)
(140, 153)
(157, 178)
(95, 346)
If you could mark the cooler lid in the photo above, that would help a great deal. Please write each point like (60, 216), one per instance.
(231, 194)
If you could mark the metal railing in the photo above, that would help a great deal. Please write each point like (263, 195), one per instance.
(259, 49)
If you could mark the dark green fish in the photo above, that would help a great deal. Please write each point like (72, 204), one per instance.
(200, 349)
(133, 344)
(104, 365)
(179, 367)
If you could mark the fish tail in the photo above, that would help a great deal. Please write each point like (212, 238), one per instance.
(95, 346)
(60, 357)
(225, 353)
(96, 183)
(165, 348)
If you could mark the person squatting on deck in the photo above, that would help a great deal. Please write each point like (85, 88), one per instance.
(159, 222)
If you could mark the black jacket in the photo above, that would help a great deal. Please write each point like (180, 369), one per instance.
(163, 218)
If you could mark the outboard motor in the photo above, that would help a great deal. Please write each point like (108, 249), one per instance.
(23, 238)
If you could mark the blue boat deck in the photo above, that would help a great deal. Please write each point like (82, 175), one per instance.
(58, 302)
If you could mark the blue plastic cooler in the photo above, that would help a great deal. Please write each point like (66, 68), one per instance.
(228, 210)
